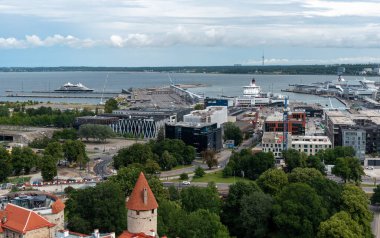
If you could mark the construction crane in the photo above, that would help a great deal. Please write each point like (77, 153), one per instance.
(285, 120)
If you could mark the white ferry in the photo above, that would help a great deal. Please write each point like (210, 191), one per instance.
(253, 96)
(69, 87)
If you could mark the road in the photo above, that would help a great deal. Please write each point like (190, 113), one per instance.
(222, 187)
(100, 169)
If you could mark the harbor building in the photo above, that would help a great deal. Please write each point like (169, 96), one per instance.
(296, 123)
(212, 114)
(202, 136)
(361, 130)
(223, 102)
(143, 123)
(274, 142)
(310, 145)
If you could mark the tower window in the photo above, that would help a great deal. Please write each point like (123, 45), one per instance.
(137, 213)
(152, 211)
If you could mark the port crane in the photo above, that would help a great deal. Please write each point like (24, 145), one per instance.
(286, 122)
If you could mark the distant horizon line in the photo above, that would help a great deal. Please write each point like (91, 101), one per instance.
(188, 66)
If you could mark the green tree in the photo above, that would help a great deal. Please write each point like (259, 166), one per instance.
(152, 167)
(208, 156)
(96, 132)
(375, 199)
(256, 210)
(272, 181)
(101, 207)
(55, 150)
(348, 168)
(4, 111)
(5, 164)
(65, 134)
(173, 193)
(198, 106)
(126, 177)
(161, 134)
(199, 172)
(194, 198)
(298, 211)
(304, 175)
(316, 163)
(23, 160)
(167, 161)
(232, 206)
(184, 176)
(233, 132)
(136, 153)
(340, 225)
(330, 191)
(75, 151)
(110, 105)
(355, 202)
(204, 224)
(48, 166)
(293, 159)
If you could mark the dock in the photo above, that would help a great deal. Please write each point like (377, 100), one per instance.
(54, 94)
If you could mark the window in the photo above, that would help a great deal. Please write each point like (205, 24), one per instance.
(137, 213)
(152, 211)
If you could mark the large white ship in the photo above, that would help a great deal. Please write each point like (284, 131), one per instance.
(69, 87)
(253, 96)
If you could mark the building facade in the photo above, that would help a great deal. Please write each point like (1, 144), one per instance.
(212, 114)
(296, 123)
(355, 139)
(202, 136)
(310, 145)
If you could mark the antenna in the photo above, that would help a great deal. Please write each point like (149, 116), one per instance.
(104, 88)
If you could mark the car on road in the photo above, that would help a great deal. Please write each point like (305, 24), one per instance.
(186, 182)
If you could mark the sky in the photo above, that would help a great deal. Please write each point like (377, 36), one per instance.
(188, 32)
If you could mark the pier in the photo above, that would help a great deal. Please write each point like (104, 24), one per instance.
(54, 94)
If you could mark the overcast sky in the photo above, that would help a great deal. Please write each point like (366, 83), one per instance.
(188, 32)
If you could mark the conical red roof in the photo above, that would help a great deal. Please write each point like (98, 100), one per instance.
(136, 200)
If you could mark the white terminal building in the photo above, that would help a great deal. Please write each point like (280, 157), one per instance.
(212, 114)
(310, 145)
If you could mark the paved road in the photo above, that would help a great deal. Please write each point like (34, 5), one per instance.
(100, 169)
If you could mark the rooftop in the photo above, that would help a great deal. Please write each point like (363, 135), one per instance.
(21, 220)
(192, 124)
(142, 197)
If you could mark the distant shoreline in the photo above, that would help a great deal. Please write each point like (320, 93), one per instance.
(350, 69)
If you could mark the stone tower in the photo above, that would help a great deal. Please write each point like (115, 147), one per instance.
(142, 209)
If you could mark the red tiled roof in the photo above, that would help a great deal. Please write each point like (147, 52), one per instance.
(22, 220)
(136, 200)
(57, 206)
(126, 234)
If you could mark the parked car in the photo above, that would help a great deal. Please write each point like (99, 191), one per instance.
(186, 182)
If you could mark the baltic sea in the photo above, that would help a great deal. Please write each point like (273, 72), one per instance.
(216, 84)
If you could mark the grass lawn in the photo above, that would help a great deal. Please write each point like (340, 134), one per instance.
(367, 185)
(181, 166)
(217, 177)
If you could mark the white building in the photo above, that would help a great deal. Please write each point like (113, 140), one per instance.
(273, 142)
(310, 144)
(212, 114)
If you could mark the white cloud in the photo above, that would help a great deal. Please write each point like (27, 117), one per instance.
(31, 41)
(219, 23)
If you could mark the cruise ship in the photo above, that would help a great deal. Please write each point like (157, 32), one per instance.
(253, 96)
(69, 87)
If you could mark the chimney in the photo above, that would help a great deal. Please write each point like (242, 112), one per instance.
(4, 219)
(145, 196)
